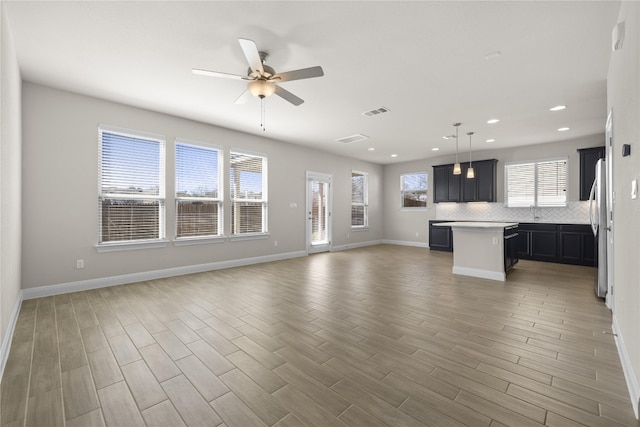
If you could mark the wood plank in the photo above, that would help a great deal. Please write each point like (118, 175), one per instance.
(118, 406)
(193, 409)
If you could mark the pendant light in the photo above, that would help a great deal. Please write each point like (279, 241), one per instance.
(457, 170)
(470, 172)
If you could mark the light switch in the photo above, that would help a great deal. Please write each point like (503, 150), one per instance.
(634, 189)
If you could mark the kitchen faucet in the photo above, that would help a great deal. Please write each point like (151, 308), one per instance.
(535, 214)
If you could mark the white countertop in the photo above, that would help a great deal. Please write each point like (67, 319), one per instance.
(476, 224)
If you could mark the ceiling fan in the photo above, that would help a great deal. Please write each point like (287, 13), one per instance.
(262, 78)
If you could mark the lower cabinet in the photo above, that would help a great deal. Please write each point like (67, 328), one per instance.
(440, 238)
(561, 243)
(577, 245)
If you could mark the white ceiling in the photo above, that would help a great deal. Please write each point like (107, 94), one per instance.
(425, 61)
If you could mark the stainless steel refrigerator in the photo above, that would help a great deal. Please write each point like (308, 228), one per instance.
(598, 218)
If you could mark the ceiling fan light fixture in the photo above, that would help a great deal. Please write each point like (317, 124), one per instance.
(261, 88)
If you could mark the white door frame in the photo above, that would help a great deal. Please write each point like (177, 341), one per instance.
(318, 177)
(610, 297)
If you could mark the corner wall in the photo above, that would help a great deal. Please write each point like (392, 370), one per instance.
(623, 98)
(10, 186)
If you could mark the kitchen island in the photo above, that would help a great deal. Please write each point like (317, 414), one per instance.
(482, 249)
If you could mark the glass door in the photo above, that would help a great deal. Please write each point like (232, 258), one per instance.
(318, 212)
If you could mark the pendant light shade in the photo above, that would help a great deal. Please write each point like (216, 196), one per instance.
(261, 88)
(470, 172)
(457, 170)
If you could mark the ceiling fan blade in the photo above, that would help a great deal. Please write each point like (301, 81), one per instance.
(251, 53)
(304, 73)
(242, 99)
(218, 74)
(288, 96)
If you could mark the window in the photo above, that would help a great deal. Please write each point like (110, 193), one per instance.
(540, 183)
(198, 195)
(359, 200)
(131, 192)
(248, 181)
(413, 189)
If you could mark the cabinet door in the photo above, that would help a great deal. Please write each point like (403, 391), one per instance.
(588, 159)
(441, 184)
(485, 172)
(469, 185)
(571, 247)
(544, 245)
(523, 244)
(454, 186)
(589, 249)
(440, 238)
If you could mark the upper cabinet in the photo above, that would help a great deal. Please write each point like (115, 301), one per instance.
(448, 187)
(588, 159)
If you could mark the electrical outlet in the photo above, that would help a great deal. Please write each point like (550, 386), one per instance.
(79, 263)
(495, 240)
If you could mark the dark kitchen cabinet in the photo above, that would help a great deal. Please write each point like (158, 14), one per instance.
(446, 185)
(458, 188)
(510, 248)
(577, 245)
(561, 243)
(440, 237)
(588, 159)
(538, 242)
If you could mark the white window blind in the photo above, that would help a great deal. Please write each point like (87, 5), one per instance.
(198, 195)
(248, 181)
(540, 183)
(359, 200)
(131, 190)
(413, 189)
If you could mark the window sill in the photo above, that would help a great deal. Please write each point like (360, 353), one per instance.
(248, 236)
(188, 241)
(420, 209)
(130, 246)
(360, 228)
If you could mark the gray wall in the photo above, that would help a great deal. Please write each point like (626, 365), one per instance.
(60, 209)
(402, 225)
(10, 182)
(623, 97)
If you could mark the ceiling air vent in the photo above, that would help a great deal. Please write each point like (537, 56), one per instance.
(375, 112)
(353, 138)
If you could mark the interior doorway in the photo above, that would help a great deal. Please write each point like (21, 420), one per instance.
(318, 212)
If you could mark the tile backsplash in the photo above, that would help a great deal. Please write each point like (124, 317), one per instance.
(573, 213)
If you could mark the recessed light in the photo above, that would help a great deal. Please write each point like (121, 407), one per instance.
(558, 108)
(371, 149)
(435, 149)
(492, 121)
(490, 140)
(492, 55)
(394, 155)
(563, 129)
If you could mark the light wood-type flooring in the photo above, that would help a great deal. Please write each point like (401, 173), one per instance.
(382, 335)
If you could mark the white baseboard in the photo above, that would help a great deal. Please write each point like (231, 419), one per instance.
(627, 367)
(355, 245)
(103, 282)
(484, 274)
(6, 341)
(405, 243)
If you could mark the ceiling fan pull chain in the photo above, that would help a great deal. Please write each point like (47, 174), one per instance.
(262, 115)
